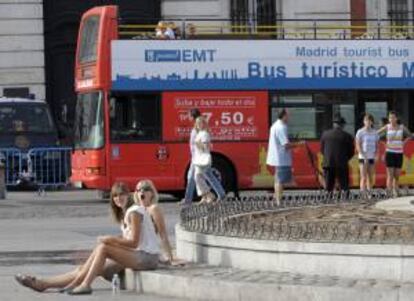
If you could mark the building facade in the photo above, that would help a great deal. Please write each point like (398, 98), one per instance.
(22, 59)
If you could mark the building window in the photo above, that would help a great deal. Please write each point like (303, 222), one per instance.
(398, 15)
(253, 16)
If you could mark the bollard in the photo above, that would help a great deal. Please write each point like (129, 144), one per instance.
(2, 182)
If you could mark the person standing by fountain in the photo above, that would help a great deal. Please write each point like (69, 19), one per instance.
(366, 141)
(279, 153)
(397, 135)
(202, 160)
(213, 181)
(337, 148)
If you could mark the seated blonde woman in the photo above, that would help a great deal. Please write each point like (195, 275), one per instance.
(137, 248)
(146, 195)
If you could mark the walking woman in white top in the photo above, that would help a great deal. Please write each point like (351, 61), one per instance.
(137, 248)
(394, 151)
(367, 147)
(202, 159)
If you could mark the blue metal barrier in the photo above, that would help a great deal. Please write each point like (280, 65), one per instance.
(49, 167)
(12, 160)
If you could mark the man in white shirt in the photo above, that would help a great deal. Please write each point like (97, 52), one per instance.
(279, 153)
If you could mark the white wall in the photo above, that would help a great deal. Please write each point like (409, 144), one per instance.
(21, 46)
(198, 9)
(376, 9)
(316, 10)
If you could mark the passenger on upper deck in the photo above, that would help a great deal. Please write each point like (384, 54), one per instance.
(190, 30)
(164, 32)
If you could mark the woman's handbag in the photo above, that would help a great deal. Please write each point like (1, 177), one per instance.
(202, 159)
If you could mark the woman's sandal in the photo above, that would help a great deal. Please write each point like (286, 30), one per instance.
(29, 281)
(65, 290)
(211, 198)
(80, 290)
(202, 201)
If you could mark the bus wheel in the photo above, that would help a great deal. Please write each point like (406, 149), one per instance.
(179, 195)
(224, 171)
(103, 195)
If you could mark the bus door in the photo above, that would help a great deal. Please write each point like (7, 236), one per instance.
(344, 104)
(137, 150)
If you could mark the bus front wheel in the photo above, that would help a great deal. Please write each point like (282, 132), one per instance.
(224, 171)
(103, 195)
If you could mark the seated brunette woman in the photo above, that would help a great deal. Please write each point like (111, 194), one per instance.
(137, 248)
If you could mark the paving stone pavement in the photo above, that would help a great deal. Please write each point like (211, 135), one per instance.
(11, 291)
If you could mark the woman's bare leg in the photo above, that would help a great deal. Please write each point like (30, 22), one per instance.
(59, 281)
(70, 279)
(82, 271)
(124, 257)
(371, 174)
(396, 180)
(363, 177)
(390, 178)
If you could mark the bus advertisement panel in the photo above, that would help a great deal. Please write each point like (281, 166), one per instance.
(232, 116)
(267, 64)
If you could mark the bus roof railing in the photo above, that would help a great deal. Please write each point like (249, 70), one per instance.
(379, 29)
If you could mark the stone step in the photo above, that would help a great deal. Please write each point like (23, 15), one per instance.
(203, 282)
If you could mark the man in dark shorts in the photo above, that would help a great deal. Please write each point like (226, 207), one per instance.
(337, 147)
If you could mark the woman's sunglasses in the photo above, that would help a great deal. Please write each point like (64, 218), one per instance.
(143, 189)
(118, 194)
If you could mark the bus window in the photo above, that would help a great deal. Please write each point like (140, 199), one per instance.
(377, 109)
(311, 114)
(334, 103)
(304, 116)
(89, 129)
(347, 111)
(135, 117)
(89, 40)
(302, 122)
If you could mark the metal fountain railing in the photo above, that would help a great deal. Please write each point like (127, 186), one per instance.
(254, 218)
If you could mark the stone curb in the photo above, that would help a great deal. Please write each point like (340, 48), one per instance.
(200, 282)
(387, 262)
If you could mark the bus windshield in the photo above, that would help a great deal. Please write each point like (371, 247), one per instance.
(89, 127)
(25, 117)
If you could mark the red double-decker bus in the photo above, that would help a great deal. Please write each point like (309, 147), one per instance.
(135, 92)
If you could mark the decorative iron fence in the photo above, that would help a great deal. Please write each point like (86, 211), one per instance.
(256, 218)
